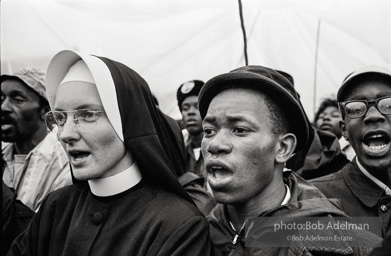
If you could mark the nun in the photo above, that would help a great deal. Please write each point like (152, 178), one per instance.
(126, 199)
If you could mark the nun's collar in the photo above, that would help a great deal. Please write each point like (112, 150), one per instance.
(116, 184)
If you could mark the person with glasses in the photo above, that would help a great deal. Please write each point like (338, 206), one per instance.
(125, 199)
(364, 184)
(33, 160)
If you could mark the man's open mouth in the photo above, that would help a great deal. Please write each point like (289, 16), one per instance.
(6, 123)
(376, 142)
(219, 173)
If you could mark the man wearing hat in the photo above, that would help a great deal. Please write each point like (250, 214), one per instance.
(253, 123)
(364, 184)
(187, 96)
(34, 161)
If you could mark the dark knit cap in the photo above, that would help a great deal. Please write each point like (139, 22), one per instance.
(265, 80)
(189, 88)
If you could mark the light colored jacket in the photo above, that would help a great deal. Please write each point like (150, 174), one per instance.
(45, 169)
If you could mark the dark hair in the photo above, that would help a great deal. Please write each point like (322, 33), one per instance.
(278, 115)
(278, 118)
(327, 102)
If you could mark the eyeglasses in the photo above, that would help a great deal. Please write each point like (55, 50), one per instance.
(85, 119)
(358, 108)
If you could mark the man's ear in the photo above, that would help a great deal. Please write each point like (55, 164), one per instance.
(287, 146)
(344, 131)
(44, 110)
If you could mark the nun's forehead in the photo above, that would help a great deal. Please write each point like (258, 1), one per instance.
(71, 95)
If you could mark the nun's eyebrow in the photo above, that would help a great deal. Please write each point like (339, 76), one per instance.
(85, 106)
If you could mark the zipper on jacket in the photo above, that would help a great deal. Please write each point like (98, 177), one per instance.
(237, 234)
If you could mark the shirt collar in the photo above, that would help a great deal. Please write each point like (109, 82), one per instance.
(287, 195)
(383, 186)
(116, 184)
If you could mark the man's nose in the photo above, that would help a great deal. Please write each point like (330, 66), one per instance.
(5, 105)
(373, 115)
(219, 144)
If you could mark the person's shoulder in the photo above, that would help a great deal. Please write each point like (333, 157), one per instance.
(65, 193)
(172, 213)
(327, 178)
(337, 176)
(167, 203)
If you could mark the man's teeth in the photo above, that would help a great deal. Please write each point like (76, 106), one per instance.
(376, 136)
(215, 168)
(6, 126)
(378, 147)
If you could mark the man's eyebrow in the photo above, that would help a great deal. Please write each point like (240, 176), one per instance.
(235, 119)
(383, 94)
(209, 119)
(230, 119)
(16, 93)
(379, 95)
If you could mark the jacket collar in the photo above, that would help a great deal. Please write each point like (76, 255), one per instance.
(373, 178)
(305, 200)
(367, 191)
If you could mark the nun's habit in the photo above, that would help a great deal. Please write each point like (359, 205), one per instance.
(152, 215)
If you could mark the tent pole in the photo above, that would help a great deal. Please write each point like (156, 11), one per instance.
(244, 31)
(316, 66)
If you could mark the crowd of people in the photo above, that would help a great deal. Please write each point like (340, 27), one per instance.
(120, 177)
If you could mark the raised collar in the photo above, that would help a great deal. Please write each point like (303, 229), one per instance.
(116, 184)
(368, 192)
(383, 186)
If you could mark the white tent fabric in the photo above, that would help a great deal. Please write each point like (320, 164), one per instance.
(171, 41)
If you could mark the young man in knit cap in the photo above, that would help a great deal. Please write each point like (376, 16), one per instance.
(253, 123)
(364, 184)
(34, 161)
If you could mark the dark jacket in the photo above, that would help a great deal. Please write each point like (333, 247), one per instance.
(359, 195)
(322, 156)
(306, 201)
(193, 165)
(193, 184)
(15, 217)
(144, 220)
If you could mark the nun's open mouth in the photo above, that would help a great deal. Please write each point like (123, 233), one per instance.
(77, 156)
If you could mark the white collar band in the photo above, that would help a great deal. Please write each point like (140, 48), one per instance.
(116, 184)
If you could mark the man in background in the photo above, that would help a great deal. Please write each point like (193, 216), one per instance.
(187, 96)
(34, 162)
